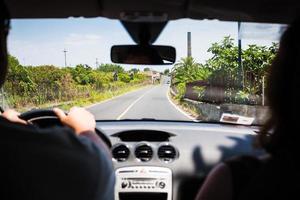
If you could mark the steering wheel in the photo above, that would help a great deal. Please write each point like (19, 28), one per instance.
(44, 118)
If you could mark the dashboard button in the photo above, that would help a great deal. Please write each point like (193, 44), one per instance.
(124, 184)
(162, 185)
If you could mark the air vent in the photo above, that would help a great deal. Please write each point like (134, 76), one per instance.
(144, 152)
(167, 153)
(120, 152)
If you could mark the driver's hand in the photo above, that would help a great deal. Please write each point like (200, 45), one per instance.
(13, 116)
(78, 119)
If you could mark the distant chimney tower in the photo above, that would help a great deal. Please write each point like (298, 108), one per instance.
(189, 44)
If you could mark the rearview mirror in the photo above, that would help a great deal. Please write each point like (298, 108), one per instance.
(147, 55)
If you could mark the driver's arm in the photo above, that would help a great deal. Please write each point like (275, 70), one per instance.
(83, 128)
(96, 157)
(13, 116)
(96, 139)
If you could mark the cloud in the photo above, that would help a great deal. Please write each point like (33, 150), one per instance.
(75, 39)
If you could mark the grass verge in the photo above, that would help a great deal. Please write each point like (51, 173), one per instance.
(97, 97)
(94, 97)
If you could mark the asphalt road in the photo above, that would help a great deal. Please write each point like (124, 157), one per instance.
(151, 102)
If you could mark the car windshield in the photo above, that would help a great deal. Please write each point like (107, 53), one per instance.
(219, 74)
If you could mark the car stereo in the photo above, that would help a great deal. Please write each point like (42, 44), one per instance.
(143, 183)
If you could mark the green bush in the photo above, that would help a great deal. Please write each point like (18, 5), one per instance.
(34, 86)
(222, 71)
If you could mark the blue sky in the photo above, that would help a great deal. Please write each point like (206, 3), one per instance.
(38, 42)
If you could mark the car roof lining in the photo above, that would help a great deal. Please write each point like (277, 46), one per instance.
(269, 11)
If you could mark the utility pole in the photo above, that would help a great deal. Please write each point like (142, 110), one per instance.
(65, 53)
(189, 44)
(97, 64)
(241, 68)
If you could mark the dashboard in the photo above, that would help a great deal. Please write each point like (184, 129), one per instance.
(170, 160)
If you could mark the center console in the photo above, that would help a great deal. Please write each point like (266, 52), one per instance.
(143, 183)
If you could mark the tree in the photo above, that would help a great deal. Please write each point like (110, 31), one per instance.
(111, 68)
(81, 74)
(256, 61)
(225, 68)
(222, 71)
(124, 77)
(187, 70)
(12, 61)
(146, 69)
(166, 72)
(225, 72)
(18, 77)
(134, 70)
(38, 85)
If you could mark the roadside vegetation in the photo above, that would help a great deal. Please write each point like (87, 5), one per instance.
(221, 79)
(45, 86)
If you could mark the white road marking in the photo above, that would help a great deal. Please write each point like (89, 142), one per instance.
(133, 103)
(179, 109)
(96, 104)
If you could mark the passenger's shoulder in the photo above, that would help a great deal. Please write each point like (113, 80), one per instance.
(217, 185)
(245, 161)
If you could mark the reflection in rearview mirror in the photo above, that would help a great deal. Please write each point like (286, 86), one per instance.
(143, 55)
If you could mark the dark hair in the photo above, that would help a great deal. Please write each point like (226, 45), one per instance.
(283, 85)
(4, 27)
